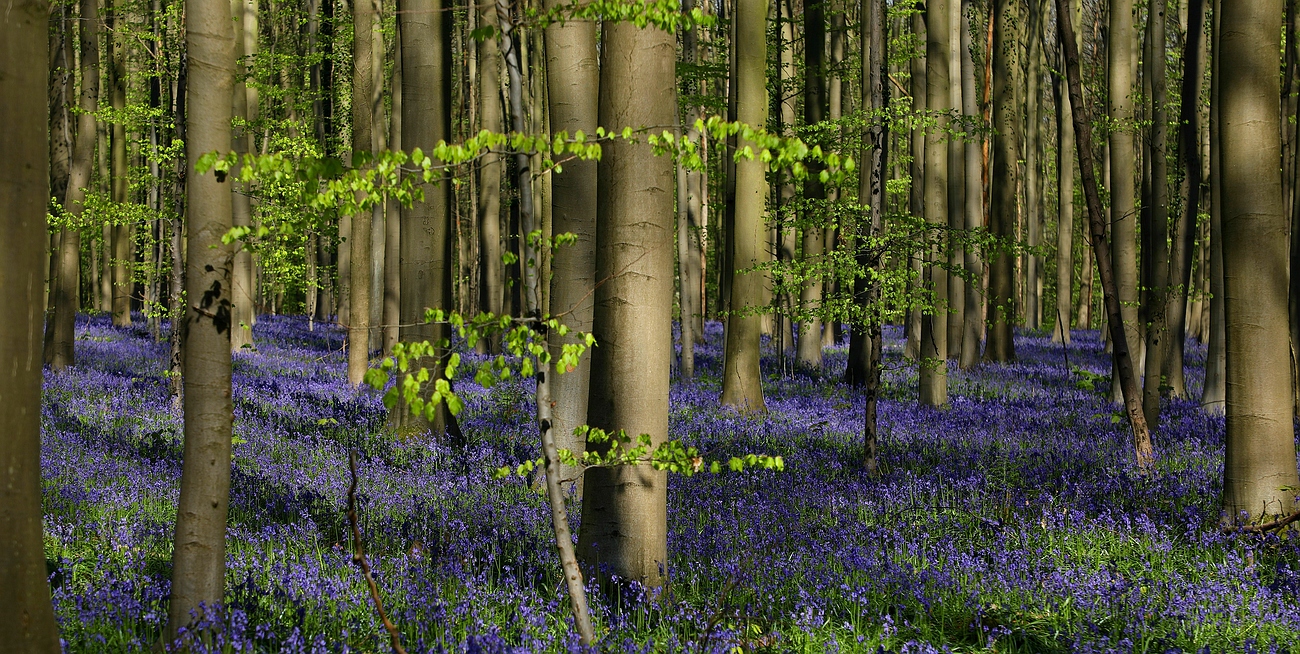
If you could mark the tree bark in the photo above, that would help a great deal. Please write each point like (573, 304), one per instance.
(199, 554)
(1007, 19)
(241, 335)
(26, 615)
(1156, 234)
(121, 233)
(1123, 231)
(933, 385)
(1032, 214)
(956, 317)
(1096, 219)
(61, 353)
(1259, 469)
(491, 272)
(363, 119)
(1214, 393)
(1065, 202)
(871, 191)
(1184, 234)
(573, 81)
(973, 318)
(916, 189)
(814, 235)
(392, 312)
(741, 381)
(426, 227)
(624, 509)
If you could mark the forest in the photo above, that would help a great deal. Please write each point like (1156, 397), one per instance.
(649, 326)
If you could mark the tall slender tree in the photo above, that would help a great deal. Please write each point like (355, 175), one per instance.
(573, 80)
(1214, 392)
(60, 352)
(120, 186)
(741, 381)
(1156, 233)
(241, 335)
(1123, 214)
(973, 317)
(491, 272)
(1065, 198)
(426, 230)
(624, 509)
(1259, 469)
(363, 120)
(199, 551)
(933, 388)
(956, 190)
(1007, 22)
(26, 615)
(814, 236)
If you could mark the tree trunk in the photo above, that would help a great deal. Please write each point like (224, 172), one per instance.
(1184, 235)
(121, 175)
(814, 235)
(491, 273)
(61, 351)
(426, 229)
(1259, 468)
(1007, 19)
(1065, 202)
(573, 78)
(933, 388)
(176, 308)
(871, 191)
(916, 189)
(973, 318)
(741, 380)
(26, 615)
(1096, 219)
(392, 314)
(956, 191)
(1157, 237)
(1214, 393)
(624, 509)
(241, 334)
(1033, 215)
(363, 119)
(199, 554)
(1123, 222)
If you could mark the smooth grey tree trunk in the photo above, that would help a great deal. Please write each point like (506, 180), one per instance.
(916, 190)
(426, 227)
(956, 191)
(573, 82)
(363, 119)
(60, 353)
(26, 615)
(1157, 332)
(1065, 157)
(742, 386)
(1123, 222)
(973, 318)
(1214, 392)
(241, 335)
(1007, 19)
(809, 352)
(392, 312)
(121, 233)
(199, 553)
(624, 509)
(933, 384)
(1259, 468)
(491, 271)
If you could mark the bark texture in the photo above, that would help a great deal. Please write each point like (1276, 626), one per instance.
(1260, 459)
(933, 390)
(624, 509)
(199, 555)
(26, 615)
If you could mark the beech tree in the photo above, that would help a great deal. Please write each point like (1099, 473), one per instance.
(1259, 470)
(199, 551)
(933, 389)
(26, 615)
(624, 509)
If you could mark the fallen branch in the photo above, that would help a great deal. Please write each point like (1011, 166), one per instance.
(1264, 527)
(359, 558)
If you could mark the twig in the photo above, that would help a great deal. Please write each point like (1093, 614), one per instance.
(1265, 526)
(359, 558)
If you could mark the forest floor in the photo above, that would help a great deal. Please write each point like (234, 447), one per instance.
(1012, 521)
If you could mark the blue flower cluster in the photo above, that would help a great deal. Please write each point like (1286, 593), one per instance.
(1013, 520)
